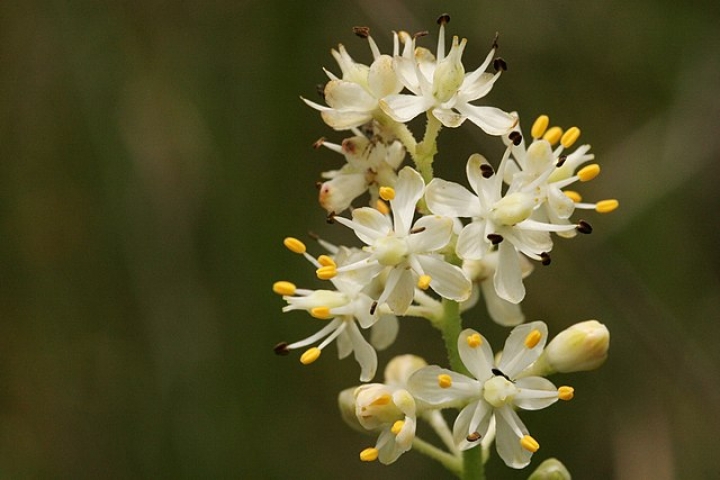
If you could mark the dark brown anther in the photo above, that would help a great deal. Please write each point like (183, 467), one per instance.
(495, 238)
(330, 218)
(419, 34)
(320, 89)
(495, 45)
(417, 230)
(373, 307)
(499, 64)
(515, 137)
(473, 437)
(584, 227)
(498, 373)
(362, 32)
(281, 349)
(545, 258)
(486, 170)
(319, 142)
(443, 19)
(561, 161)
(318, 185)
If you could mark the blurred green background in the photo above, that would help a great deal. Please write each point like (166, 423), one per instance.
(154, 154)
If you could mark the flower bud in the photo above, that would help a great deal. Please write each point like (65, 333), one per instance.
(581, 347)
(346, 404)
(400, 368)
(550, 469)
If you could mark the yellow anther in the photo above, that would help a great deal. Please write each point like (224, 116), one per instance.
(424, 282)
(387, 193)
(533, 338)
(326, 261)
(444, 380)
(553, 135)
(606, 206)
(573, 195)
(397, 426)
(284, 288)
(323, 313)
(566, 393)
(383, 399)
(540, 126)
(382, 207)
(474, 340)
(529, 443)
(327, 272)
(369, 454)
(588, 173)
(294, 245)
(570, 137)
(310, 355)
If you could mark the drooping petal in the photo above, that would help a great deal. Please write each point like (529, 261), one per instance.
(448, 117)
(433, 233)
(471, 244)
(408, 190)
(517, 354)
(509, 429)
(474, 418)
(399, 290)
(447, 280)
(384, 331)
(491, 120)
(451, 199)
(501, 311)
(423, 385)
(364, 353)
(403, 108)
(508, 274)
(535, 393)
(476, 355)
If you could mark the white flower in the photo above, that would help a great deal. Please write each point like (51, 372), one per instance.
(370, 163)
(493, 391)
(342, 309)
(353, 99)
(441, 86)
(501, 221)
(406, 250)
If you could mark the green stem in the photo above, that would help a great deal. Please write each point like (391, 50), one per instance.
(448, 460)
(426, 150)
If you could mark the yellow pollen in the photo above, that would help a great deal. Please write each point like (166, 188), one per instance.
(369, 454)
(424, 282)
(566, 393)
(382, 207)
(533, 338)
(573, 195)
(327, 272)
(323, 313)
(570, 137)
(310, 355)
(294, 245)
(284, 288)
(326, 261)
(540, 126)
(397, 426)
(444, 380)
(606, 206)
(383, 399)
(387, 193)
(474, 340)
(529, 444)
(553, 135)
(588, 173)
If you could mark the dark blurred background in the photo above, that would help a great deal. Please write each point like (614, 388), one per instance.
(154, 154)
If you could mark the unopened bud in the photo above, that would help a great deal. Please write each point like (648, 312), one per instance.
(346, 404)
(550, 469)
(583, 346)
(400, 368)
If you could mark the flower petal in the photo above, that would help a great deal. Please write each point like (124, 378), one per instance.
(516, 355)
(384, 331)
(342, 95)
(508, 274)
(423, 385)
(408, 190)
(399, 290)
(474, 418)
(447, 280)
(479, 359)
(471, 244)
(364, 353)
(535, 393)
(403, 108)
(492, 120)
(448, 117)
(451, 199)
(433, 233)
(509, 431)
(502, 312)
(368, 224)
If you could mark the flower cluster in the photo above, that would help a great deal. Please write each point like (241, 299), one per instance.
(431, 248)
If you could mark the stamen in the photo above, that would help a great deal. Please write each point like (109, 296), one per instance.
(606, 206)
(473, 437)
(373, 307)
(572, 195)
(570, 137)
(326, 261)
(294, 245)
(529, 443)
(584, 227)
(540, 126)
(515, 137)
(561, 161)
(284, 288)
(383, 399)
(320, 90)
(553, 135)
(310, 355)
(533, 338)
(588, 173)
(500, 65)
(327, 272)
(281, 349)
(362, 32)
(424, 282)
(417, 229)
(486, 170)
(495, 238)
(498, 373)
(387, 193)
(444, 380)
(397, 427)
(323, 313)
(382, 207)
(369, 454)
(443, 19)
(474, 340)
(566, 393)
(545, 259)
(319, 142)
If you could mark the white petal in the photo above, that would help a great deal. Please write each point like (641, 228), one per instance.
(364, 353)
(560, 203)
(337, 194)
(403, 107)
(535, 393)
(408, 190)
(479, 88)
(516, 355)
(382, 79)
(501, 311)
(508, 275)
(475, 174)
(368, 224)
(475, 417)
(423, 385)
(492, 120)
(451, 199)
(447, 280)
(448, 117)
(478, 360)
(509, 430)
(434, 233)
(342, 95)
(401, 293)
(384, 331)
(471, 244)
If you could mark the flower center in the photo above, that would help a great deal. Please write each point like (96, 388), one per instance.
(390, 250)
(513, 208)
(499, 391)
